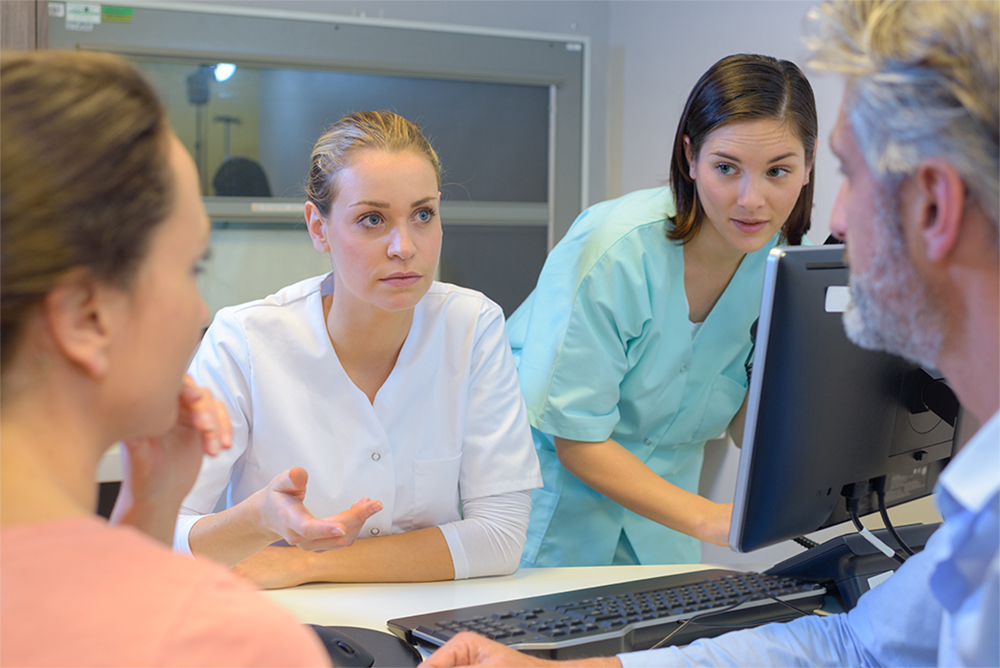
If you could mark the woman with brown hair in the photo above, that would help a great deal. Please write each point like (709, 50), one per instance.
(103, 233)
(631, 348)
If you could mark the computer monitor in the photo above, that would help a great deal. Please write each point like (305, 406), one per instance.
(824, 414)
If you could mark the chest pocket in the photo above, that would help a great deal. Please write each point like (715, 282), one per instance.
(724, 400)
(435, 491)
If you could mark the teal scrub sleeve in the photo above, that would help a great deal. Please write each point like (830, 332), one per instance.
(573, 386)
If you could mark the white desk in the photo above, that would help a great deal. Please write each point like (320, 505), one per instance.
(372, 605)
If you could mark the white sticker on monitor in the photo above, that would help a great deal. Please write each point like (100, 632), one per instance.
(837, 298)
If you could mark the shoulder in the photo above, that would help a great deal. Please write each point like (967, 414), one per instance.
(285, 300)
(162, 608)
(226, 622)
(273, 314)
(630, 226)
(619, 217)
(648, 204)
(458, 303)
(212, 617)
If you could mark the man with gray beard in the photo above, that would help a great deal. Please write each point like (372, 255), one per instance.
(918, 139)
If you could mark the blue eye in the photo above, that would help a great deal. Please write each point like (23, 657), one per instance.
(777, 171)
(725, 169)
(371, 220)
(425, 215)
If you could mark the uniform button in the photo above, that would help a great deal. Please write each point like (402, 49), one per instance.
(648, 442)
(375, 531)
(683, 369)
(376, 456)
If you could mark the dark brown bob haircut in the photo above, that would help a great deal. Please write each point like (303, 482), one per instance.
(743, 87)
(84, 176)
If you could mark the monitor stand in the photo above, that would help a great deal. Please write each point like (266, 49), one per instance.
(851, 562)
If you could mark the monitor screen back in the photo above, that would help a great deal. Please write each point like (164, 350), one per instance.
(823, 413)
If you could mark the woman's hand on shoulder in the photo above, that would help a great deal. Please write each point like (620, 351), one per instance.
(283, 512)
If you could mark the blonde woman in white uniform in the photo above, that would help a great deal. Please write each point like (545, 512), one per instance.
(375, 382)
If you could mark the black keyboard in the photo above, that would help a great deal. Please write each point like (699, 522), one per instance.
(622, 617)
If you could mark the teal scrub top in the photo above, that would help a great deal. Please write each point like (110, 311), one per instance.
(604, 349)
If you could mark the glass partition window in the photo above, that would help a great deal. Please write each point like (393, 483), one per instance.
(251, 133)
(249, 90)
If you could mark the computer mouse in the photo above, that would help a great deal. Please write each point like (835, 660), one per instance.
(351, 647)
(344, 651)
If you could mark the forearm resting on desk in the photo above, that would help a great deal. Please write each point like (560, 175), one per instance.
(415, 556)
(230, 536)
(612, 470)
(272, 514)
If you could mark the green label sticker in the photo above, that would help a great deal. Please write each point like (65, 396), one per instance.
(83, 12)
(114, 14)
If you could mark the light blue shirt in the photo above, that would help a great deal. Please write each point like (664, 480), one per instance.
(605, 349)
(940, 608)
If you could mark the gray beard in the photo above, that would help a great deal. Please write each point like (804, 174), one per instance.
(890, 307)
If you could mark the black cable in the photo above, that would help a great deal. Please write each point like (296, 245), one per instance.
(853, 494)
(694, 620)
(880, 492)
(861, 527)
(691, 619)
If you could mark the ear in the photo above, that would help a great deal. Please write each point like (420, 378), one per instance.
(938, 207)
(316, 224)
(689, 157)
(80, 313)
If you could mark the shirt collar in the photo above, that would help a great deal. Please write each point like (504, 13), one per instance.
(972, 478)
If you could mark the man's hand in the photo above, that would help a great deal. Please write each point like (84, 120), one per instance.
(469, 649)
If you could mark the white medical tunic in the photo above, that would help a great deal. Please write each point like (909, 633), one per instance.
(448, 425)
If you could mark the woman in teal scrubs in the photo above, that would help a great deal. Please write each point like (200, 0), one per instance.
(631, 350)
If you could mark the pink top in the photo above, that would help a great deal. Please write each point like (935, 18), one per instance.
(79, 592)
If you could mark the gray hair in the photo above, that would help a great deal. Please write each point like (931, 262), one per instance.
(923, 81)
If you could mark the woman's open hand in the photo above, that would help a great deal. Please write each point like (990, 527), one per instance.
(283, 512)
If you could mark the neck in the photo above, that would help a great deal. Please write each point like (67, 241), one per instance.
(970, 359)
(710, 251)
(361, 331)
(48, 462)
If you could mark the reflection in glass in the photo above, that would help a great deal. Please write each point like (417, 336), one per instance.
(251, 133)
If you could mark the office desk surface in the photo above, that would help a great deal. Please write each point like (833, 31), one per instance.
(371, 605)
